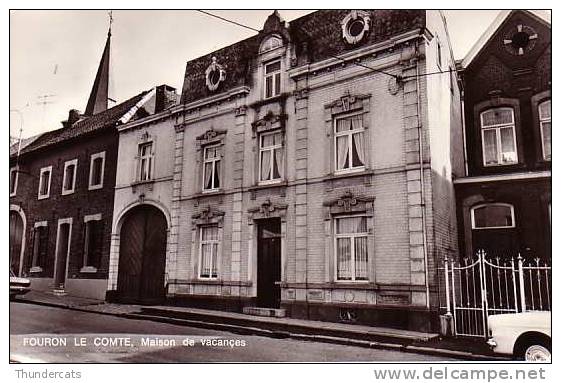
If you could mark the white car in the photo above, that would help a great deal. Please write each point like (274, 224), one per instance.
(526, 336)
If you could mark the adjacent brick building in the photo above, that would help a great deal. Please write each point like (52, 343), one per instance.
(504, 201)
(61, 196)
(307, 169)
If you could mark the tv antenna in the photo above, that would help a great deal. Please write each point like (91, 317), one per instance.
(44, 100)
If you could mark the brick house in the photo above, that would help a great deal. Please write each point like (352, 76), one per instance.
(307, 170)
(61, 196)
(504, 201)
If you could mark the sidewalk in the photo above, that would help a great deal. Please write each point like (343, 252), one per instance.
(328, 332)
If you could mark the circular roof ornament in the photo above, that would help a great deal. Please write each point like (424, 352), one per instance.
(214, 75)
(520, 40)
(355, 26)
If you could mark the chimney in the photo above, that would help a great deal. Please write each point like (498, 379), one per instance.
(166, 96)
(73, 116)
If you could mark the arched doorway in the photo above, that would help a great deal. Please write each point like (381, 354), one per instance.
(16, 240)
(142, 257)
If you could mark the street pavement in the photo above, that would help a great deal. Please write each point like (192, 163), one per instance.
(90, 337)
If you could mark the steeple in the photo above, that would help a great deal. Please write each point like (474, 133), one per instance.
(99, 95)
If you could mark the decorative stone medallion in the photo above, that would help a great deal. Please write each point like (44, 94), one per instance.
(520, 40)
(214, 75)
(355, 26)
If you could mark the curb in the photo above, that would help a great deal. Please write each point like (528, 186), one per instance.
(248, 330)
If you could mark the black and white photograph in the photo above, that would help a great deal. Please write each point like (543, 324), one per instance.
(322, 186)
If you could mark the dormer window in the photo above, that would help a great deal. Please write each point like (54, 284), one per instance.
(498, 137)
(272, 78)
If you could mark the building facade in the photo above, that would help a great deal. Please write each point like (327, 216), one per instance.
(307, 170)
(504, 201)
(61, 196)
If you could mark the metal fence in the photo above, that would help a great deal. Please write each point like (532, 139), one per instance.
(478, 287)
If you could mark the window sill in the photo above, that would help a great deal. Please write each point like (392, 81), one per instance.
(95, 187)
(12, 194)
(67, 192)
(279, 98)
(42, 196)
(267, 185)
(135, 183)
(36, 269)
(88, 269)
(344, 174)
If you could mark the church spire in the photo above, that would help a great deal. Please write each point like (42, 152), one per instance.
(99, 94)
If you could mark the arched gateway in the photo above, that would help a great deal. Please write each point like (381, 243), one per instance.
(142, 258)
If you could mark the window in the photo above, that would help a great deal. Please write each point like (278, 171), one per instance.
(271, 43)
(93, 243)
(438, 54)
(45, 182)
(97, 169)
(145, 162)
(272, 79)
(40, 244)
(208, 252)
(13, 181)
(270, 156)
(499, 137)
(351, 248)
(544, 111)
(69, 177)
(492, 216)
(349, 143)
(211, 167)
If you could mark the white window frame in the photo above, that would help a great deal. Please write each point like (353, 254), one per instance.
(34, 256)
(93, 157)
(352, 236)
(149, 160)
(44, 170)
(272, 150)
(497, 129)
(85, 267)
(274, 78)
(542, 121)
(212, 161)
(60, 223)
(349, 134)
(473, 209)
(66, 165)
(211, 242)
(15, 172)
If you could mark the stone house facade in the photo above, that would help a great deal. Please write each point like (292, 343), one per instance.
(307, 170)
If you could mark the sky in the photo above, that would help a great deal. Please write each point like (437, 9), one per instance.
(56, 53)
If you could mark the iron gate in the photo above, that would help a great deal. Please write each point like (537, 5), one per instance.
(482, 286)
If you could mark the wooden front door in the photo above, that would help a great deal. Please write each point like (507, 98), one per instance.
(142, 258)
(16, 236)
(269, 263)
(63, 242)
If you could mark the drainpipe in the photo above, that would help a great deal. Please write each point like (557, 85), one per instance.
(462, 114)
(422, 176)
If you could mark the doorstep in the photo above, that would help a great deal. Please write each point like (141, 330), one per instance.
(265, 312)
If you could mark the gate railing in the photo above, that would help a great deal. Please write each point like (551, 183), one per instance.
(477, 288)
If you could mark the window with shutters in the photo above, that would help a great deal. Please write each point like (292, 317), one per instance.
(40, 247)
(93, 243)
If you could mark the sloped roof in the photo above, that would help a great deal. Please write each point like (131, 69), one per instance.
(84, 126)
(24, 142)
(490, 31)
(316, 37)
